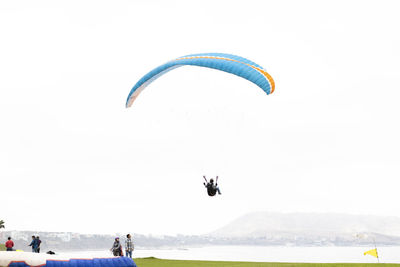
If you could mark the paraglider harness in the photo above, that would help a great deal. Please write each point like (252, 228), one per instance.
(211, 187)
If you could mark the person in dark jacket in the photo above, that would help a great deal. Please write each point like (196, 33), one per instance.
(38, 244)
(33, 244)
(212, 188)
(117, 248)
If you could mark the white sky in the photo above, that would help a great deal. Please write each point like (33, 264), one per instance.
(72, 158)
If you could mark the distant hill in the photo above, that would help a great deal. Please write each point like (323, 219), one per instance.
(260, 229)
(261, 224)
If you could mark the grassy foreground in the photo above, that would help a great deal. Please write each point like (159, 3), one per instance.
(153, 262)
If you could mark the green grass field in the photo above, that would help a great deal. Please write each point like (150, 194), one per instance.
(153, 262)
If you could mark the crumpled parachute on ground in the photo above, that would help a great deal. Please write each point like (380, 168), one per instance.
(29, 259)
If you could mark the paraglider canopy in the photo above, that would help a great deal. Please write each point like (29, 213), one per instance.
(236, 65)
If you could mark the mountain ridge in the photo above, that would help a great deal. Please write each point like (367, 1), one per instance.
(258, 224)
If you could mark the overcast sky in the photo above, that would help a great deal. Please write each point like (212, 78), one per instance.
(73, 158)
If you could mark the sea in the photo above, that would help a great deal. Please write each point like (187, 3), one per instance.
(261, 254)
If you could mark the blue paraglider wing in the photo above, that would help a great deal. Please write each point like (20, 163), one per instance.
(225, 62)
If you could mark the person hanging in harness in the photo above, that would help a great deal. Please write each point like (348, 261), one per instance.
(212, 188)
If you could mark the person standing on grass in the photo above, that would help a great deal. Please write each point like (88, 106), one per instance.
(33, 244)
(128, 246)
(38, 244)
(9, 244)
